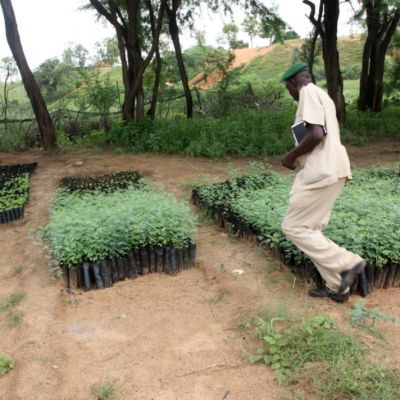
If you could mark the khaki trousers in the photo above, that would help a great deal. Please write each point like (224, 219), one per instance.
(307, 216)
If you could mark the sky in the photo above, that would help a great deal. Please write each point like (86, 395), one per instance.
(47, 27)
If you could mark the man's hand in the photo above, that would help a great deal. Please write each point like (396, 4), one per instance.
(288, 161)
(314, 135)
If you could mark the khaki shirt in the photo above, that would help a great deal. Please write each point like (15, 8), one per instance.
(328, 161)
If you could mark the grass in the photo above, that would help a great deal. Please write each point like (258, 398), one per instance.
(17, 270)
(104, 391)
(8, 305)
(11, 301)
(313, 357)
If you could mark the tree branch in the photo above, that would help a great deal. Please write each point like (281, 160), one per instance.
(317, 23)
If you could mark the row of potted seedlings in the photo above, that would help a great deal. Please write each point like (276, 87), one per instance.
(95, 220)
(228, 203)
(14, 189)
(105, 183)
(138, 262)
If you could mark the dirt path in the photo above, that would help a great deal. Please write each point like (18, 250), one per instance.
(158, 337)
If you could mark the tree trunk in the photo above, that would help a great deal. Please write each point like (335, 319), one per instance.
(128, 110)
(381, 25)
(157, 69)
(327, 29)
(174, 32)
(156, 86)
(331, 57)
(140, 102)
(364, 81)
(46, 127)
(6, 101)
(314, 39)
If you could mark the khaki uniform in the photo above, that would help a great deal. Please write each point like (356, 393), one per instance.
(321, 176)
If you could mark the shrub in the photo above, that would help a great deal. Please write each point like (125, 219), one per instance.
(351, 72)
(360, 127)
(247, 133)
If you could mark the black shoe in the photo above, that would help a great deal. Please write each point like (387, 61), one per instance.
(318, 292)
(363, 284)
(349, 277)
(338, 297)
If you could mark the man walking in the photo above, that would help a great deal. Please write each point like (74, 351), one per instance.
(323, 168)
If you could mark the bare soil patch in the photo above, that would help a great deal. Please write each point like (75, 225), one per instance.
(242, 58)
(158, 337)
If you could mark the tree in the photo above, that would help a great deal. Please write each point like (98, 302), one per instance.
(382, 18)
(157, 64)
(311, 47)
(394, 67)
(182, 11)
(8, 69)
(271, 25)
(75, 56)
(46, 127)
(327, 30)
(126, 16)
(200, 38)
(102, 95)
(107, 51)
(54, 78)
(231, 30)
(289, 34)
(172, 12)
(251, 26)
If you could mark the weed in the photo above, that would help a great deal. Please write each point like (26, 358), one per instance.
(216, 299)
(44, 360)
(14, 319)
(311, 354)
(221, 267)
(257, 167)
(359, 316)
(104, 391)
(273, 280)
(7, 306)
(11, 301)
(6, 364)
(17, 270)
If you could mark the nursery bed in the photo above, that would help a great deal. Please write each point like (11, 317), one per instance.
(14, 190)
(112, 227)
(253, 207)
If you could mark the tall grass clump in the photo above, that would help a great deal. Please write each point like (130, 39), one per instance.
(311, 355)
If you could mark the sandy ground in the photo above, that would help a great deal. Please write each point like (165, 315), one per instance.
(158, 337)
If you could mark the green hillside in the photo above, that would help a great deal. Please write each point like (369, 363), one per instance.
(260, 69)
(272, 64)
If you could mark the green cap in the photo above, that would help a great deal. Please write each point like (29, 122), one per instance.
(294, 70)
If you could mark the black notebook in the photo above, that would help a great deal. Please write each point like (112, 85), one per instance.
(299, 131)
